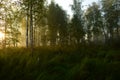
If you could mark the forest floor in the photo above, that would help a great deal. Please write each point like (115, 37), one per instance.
(70, 63)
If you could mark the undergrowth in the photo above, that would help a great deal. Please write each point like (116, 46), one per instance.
(60, 63)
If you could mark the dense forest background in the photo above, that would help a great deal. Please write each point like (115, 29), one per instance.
(36, 23)
(40, 41)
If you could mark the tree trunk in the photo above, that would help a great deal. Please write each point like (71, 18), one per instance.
(27, 24)
(5, 33)
(31, 26)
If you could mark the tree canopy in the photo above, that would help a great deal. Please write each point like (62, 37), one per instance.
(44, 24)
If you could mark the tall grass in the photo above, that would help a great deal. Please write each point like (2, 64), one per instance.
(56, 63)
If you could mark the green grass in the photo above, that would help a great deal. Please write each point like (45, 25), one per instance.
(54, 63)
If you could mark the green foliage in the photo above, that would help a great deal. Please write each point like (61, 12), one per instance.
(111, 16)
(11, 18)
(94, 19)
(57, 24)
(77, 30)
(49, 63)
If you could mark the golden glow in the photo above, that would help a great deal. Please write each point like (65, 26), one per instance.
(2, 35)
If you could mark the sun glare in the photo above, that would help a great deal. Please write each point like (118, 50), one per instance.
(2, 35)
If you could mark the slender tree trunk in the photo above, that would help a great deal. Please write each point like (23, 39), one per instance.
(5, 33)
(117, 31)
(105, 35)
(34, 36)
(31, 26)
(34, 28)
(27, 24)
